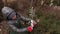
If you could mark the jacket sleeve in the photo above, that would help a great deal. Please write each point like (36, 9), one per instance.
(25, 19)
(22, 17)
(10, 24)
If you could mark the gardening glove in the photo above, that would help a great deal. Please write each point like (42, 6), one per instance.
(29, 28)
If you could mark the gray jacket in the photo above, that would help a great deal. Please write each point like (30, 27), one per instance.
(11, 24)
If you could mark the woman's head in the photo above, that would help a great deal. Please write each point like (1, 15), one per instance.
(8, 13)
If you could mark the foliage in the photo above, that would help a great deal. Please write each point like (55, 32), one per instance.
(49, 23)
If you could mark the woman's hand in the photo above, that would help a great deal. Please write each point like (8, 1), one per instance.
(33, 23)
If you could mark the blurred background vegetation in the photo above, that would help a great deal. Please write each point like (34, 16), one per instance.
(47, 13)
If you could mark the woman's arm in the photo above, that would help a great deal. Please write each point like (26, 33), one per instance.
(10, 24)
(25, 19)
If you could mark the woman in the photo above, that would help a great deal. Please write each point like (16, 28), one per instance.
(14, 21)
